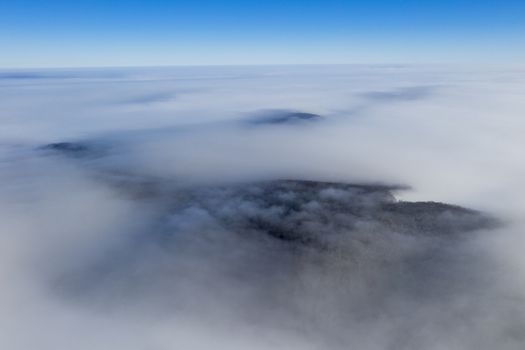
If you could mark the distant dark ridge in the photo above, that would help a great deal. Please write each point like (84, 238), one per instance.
(74, 149)
(67, 147)
(283, 117)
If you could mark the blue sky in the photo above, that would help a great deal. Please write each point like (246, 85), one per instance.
(39, 33)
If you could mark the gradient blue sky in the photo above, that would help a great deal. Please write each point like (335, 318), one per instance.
(40, 33)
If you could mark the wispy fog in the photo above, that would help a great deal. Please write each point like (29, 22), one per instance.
(323, 207)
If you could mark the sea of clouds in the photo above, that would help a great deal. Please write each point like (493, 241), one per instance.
(280, 207)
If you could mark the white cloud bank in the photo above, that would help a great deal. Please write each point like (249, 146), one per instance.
(153, 230)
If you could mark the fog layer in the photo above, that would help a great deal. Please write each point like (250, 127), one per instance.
(328, 207)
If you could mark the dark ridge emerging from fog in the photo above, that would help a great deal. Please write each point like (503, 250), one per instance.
(76, 149)
(283, 117)
(320, 213)
(411, 93)
(69, 148)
